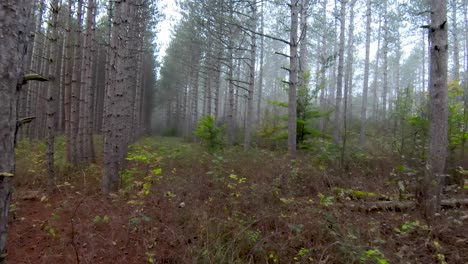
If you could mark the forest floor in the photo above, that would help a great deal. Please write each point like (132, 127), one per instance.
(180, 204)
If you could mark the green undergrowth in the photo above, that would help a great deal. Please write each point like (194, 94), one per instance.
(229, 206)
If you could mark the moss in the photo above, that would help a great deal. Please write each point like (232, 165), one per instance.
(359, 195)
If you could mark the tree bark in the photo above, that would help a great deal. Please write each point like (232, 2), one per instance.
(438, 141)
(252, 62)
(339, 83)
(113, 130)
(75, 142)
(51, 93)
(293, 79)
(375, 100)
(365, 91)
(456, 50)
(14, 24)
(385, 66)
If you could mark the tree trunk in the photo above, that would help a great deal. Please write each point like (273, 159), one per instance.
(375, 99)
(74, 140)
(365, 91)
(324, 64)
(260, 76)
(13, 47)
(250, 96)
(465, 93)
(230, 113)
(114, 129)
(348, 81)
(85, 87)
(68, 82)
(436, 161)
(339, 83)
(293, 79)
(51, 92)
(385, 66)
(456, 51)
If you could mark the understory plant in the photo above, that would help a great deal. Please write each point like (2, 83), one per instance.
(211, 134)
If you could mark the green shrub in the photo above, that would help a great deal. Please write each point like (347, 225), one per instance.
(210, 133)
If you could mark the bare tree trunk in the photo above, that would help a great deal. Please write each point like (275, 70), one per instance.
(51, 92)
(195, 93)
(32, 88)
(303, 52)
(436, 161)
(385, 66)
(68, 82)
(91, 88)
(250, 95)
(76, 143)
(375, 86)
(348, 81)
(293, 79)
(13, 46)
(85, 87)
(365, 91)
(260, 76)
(456, 50)
(465, 93)
(324, 63)
(115, 131)
(231, 101)
(339, 83)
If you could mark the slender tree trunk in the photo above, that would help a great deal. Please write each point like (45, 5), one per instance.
(34, 66)
(456, 50)
(293, 79)
(385, 66)
(51, 92)
(365, 91)
(231, 101)
(339, 83)
(91, 88)
(75, 141)
(465, 94)
(250, 96)
(324, 63)
(85, 87)
(424, 51)
(348, 81)
(260, 76)
(68, 82)
(375, 99)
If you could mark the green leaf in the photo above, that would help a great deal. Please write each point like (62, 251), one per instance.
(106, 219)
(278, 103)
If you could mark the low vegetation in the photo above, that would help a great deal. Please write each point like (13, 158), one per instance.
(180, 203)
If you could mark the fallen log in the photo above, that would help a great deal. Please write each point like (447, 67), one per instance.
(401, 206)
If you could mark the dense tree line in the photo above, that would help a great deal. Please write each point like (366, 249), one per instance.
(77, 68)
(320, 75)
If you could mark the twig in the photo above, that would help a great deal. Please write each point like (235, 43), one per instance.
(322, 260)
(73, 229)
